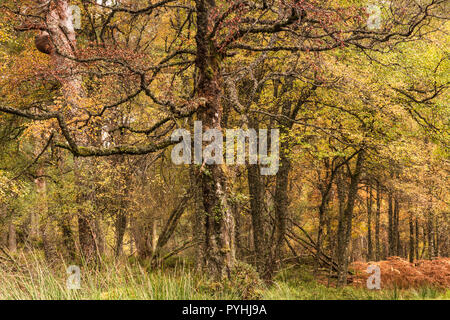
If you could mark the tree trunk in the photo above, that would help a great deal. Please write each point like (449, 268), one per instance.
(34, 227)
(411, 238)
(424, 240)
(430, 234)
(377, 223)
(325, 189)
(256, 191)
(437, 242)
(86, 238)
(329, 235)
(281, 200)
(12, 239)
(416, 246)
(3, 226)
(396, 231)
(121, 225)
(219, 222)
(199, 214)
(48, 227)
(391, 225)
(58, 22)
(369, 224)
(345, 223)
(141, 232)
(68, 240)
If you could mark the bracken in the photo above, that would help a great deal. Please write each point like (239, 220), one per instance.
(399, 273)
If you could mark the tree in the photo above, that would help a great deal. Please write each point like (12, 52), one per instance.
(178, 70)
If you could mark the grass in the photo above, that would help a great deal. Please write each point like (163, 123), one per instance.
(315, 291)
(29, 277)
(299, 284)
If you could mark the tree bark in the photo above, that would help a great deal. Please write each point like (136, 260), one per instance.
(396, 226)
(416, 246)
(199, 213)
(121, 225)
(48, 227)
(68, 240)
(369, 224)
(430, 234)
(12, 239)
(3, 226)
(218, 219)
(391, 225)
(281, 200)
(411, 238)
(377, 223)
(437, 242)
(325, 189)
(345, 223)
(34, 227)
(141, 230)
(59, 25)
(256, 208)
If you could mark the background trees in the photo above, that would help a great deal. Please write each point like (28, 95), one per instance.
(362, 114)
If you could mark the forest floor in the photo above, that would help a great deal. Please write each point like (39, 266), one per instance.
(27, 276)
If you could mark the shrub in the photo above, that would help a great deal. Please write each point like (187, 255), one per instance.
(244, 283)
(399, 273)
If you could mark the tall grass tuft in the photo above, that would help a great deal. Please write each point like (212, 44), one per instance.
(27, 276)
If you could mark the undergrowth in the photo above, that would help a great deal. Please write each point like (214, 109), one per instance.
(29, 277)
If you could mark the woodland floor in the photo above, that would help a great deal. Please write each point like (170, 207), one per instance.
(26, 276)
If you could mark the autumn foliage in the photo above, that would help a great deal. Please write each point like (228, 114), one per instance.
(94, 95)
(399, 273)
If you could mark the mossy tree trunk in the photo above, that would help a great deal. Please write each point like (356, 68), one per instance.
(217, 220)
